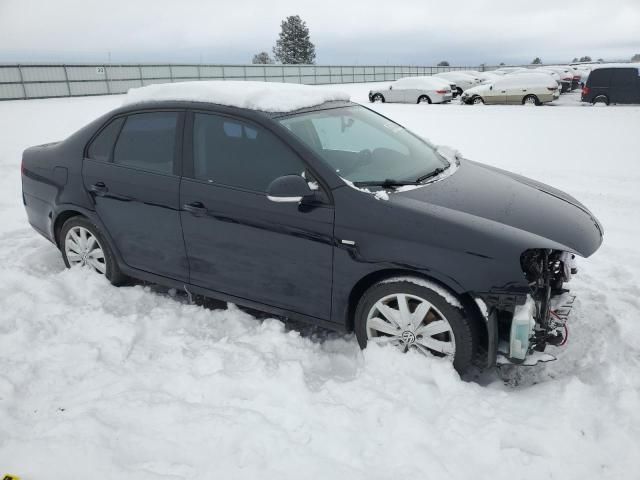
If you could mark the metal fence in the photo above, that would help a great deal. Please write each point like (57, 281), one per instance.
(58, 80)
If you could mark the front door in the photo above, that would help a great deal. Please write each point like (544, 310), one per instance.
(135, 186)
(238, 241)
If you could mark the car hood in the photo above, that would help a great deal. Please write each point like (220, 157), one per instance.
(477, 90)
(483, 192)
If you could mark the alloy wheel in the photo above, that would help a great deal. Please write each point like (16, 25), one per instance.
(409, 322)
(81, 247)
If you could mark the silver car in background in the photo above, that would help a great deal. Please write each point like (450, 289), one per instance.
(520, 89)
(414, 90)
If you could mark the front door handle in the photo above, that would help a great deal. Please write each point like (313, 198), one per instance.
(195, 208)
(99, 188)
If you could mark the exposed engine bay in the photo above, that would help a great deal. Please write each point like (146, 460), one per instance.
(542, 320)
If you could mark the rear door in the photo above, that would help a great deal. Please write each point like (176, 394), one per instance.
(624, 85)
(132, 172)
(599, 82)
(241, 243)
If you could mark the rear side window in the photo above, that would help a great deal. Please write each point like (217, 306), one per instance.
(239, 154)
(147, 141)
(624, 77)
(600, 78)
(102, 145)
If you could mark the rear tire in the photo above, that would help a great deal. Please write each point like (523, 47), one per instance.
(530, 100)
(601, 99)
(435, 327)
(81, 243)
(377, 98)
(424, 99)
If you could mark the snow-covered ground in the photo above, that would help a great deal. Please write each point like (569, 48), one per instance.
(101, 382)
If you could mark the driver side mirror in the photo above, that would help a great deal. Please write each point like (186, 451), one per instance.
(289, 189)
(390, 87)
(490, 87)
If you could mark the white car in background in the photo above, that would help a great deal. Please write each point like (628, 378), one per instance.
(414, 90)
(462, 79)
(551, 73)
(566, 76)
(508, 70)
(515, 89)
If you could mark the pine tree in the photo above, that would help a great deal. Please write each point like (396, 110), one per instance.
(443, 63)
(536, 61)
(262, 58)
(294, 45)
(636, 58)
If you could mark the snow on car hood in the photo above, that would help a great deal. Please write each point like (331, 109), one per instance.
(485, 192)
(264, 96)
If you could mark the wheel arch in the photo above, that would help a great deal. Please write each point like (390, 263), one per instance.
(366, 282)
(61, 218)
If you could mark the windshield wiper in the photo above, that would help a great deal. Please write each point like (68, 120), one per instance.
(432, 174)
(388, 183)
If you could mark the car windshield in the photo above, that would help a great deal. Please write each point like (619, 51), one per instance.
(364, 147)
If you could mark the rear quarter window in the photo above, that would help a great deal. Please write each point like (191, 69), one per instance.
(102, 145)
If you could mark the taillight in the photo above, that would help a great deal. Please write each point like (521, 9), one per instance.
(585, 91)
(442, 91)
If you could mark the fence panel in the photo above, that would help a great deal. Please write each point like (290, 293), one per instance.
(58, 80)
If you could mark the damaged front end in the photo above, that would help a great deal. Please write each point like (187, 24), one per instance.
(542, 319)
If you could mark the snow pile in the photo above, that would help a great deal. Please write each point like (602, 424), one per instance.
(101, 382)
(264, 96)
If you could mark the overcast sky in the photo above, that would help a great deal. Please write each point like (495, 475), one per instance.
(344, 31)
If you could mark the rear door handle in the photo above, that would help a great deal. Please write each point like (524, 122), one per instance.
(195, 208)
(99, 188)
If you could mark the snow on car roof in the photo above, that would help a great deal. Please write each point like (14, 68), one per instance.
(522, 78)
(264, 96)
(420, 82)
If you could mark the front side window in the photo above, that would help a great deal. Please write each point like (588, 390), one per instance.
(147, 141)
(231, 152)
(364, 147)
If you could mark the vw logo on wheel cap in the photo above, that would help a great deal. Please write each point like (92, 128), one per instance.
(408, 337)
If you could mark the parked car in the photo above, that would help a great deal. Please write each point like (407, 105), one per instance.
(293, 200)
(514, 89)
(507, 70)
(414, 90)
(566, 77)
(613, 84)
(552, 74)
(463, 80)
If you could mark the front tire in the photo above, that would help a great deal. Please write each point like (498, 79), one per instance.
(377, 98)
(82, 244)
(413, 316)
(477, 101)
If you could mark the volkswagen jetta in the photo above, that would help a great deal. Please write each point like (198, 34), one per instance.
(298, 202)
